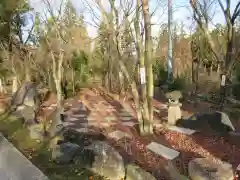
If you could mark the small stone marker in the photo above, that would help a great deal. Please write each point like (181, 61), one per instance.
(124, 113)
(73, 119)
(163, 150)
(50, 108)
(130, 124)
(75, 109)
(68, 124)
(126, 118)
(110, 108)
(181, 130)
(117, 135)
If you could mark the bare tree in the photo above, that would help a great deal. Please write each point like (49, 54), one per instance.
(113, 46)
(199, 13)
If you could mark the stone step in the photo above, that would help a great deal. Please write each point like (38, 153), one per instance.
(117, 135)
(129, 124)
(162, 150)
(78, 115)
(181, 130)
(175, 128)
(14, 165)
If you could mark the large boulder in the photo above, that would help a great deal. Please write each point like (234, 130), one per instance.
(103, 160)
(218, 122)
(134, 172)
(84, 158)
(204, 169)
(65, 152)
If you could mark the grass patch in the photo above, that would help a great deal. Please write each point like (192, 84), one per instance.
(39, 154)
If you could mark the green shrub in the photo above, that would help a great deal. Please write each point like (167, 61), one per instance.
(160, 72)
(179, 83)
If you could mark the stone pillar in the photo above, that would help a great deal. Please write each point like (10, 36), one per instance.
(174, 112)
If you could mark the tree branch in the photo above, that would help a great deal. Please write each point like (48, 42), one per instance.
(197, 16)
(236, 12)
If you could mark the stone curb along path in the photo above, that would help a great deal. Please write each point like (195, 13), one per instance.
(14, 165)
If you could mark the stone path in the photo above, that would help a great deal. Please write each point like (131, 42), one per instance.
(99, 112)
(14, 165)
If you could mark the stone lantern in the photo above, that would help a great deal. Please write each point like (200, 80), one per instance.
(174, 111)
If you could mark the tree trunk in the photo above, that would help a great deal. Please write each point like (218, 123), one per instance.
(1, 86)
(73, 82)
(27, 74)
(121, 83)
(139, 47)
(109, 75)
(59, 91)
(148, 58)
(228, 66)
(57, 76)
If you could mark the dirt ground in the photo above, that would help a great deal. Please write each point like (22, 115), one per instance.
(134, 150)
